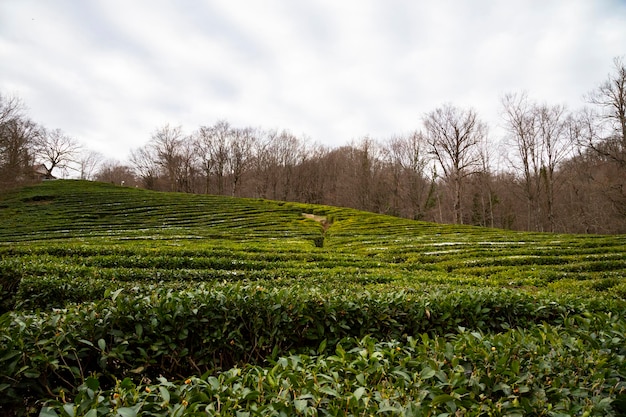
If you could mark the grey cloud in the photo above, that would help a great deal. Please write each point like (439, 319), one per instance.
(113, 70)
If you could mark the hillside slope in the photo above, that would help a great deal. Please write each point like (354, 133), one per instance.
(168, 303)
(62, 209)
(246, 231)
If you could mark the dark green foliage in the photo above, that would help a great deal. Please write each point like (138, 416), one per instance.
(176, 334)
(574, 369)
(10, 276)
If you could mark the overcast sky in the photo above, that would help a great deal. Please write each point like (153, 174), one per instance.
(110, 72)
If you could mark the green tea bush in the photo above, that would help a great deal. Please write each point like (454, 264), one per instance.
(573, 369)
(54, 292)
(619, 290)
(177, 333)
(10, 275)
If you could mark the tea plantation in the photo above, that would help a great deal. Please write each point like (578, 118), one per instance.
(119, 301)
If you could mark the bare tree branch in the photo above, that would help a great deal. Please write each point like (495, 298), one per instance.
(453, 136)
(55, 149)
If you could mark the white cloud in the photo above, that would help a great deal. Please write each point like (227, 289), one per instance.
(109, 72)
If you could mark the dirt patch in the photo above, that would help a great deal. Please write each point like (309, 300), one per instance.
(314, 217)
(320, 219)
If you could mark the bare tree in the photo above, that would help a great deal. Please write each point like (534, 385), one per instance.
(521, 123)
(364, 166)
(408, 158)
(187, 167)
(88, 163)
(115, 172)
(146, 165)
(313, 176)
(218, 151)
(242, 143)
(17, 138)
(166, 143)
(212, 145)
(541, 140)
(168, 161)
(264, 162)
(54, 149)
(610, 98)
(393, 154)
(484, 197)
(277, 156)
(453, 136)
(202, 147)
(11, 108)
(556, 146)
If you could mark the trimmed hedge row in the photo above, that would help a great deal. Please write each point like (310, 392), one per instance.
(178, 333)
(45, 293)
(38, 282)
(577, 369)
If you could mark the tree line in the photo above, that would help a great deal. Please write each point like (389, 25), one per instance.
(555, 170)
(30, 152)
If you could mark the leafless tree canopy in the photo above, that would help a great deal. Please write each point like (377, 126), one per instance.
(18, 135)
(453, 136)
(540, 137)
(610, 97)
(88, 163)
(55, 149)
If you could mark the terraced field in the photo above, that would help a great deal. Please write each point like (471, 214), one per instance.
(121, 301)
